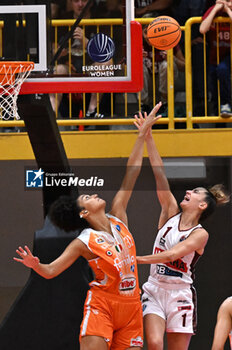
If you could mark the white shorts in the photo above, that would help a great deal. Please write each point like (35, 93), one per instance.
(176, 306)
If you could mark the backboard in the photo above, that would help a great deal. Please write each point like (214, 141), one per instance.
(14, 24)
(111, 62)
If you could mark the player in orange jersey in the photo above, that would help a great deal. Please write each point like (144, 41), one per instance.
(112, 313)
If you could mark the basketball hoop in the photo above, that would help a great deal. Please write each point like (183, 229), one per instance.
(12, 76)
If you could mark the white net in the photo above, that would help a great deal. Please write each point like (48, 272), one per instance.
(12, 75)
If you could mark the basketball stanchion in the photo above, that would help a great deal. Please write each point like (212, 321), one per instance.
(12, 76)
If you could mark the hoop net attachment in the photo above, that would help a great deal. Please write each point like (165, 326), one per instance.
(12, 76)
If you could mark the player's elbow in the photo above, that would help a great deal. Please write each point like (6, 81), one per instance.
(49, 273)
(174, 254)
(48, 276)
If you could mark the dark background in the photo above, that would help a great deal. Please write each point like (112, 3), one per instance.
(21, 215)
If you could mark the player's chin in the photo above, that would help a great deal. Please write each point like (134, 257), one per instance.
(183, 204)
(102, 203)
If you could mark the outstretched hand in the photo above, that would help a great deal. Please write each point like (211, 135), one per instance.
(28, 259)
(144, 123)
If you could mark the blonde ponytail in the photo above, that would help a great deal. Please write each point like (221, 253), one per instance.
(220, 194)
(215, 196)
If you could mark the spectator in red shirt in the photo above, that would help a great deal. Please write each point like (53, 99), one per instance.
(219, 71)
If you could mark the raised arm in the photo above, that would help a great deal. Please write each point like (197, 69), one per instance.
(169, 206)
(75, 249)
(134, 163)
(206, 23)
(195, 242)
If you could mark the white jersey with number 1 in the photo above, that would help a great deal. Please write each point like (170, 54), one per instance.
(181, 270)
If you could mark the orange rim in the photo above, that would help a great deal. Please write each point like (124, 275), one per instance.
(7, 76)
(16, 65)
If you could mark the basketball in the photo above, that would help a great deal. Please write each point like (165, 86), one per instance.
(164, 33)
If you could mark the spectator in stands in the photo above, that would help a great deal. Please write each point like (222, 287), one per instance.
(112, 9)
(189, 8)
(219, 71)
(178, 65)
(223, 327)
(185, 10)
(57, 8)
(161, 69)
(77, 53)
(109, 9)
(154, 8)
(146, 97)
(68, 5)
(208, 4)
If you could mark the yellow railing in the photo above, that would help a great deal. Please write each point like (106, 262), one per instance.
(170, 120)
(188, 75)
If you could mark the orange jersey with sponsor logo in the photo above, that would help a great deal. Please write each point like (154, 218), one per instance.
(115, 268)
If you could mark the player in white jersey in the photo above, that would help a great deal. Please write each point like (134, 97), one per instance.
(168, 299)
(223, 327)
